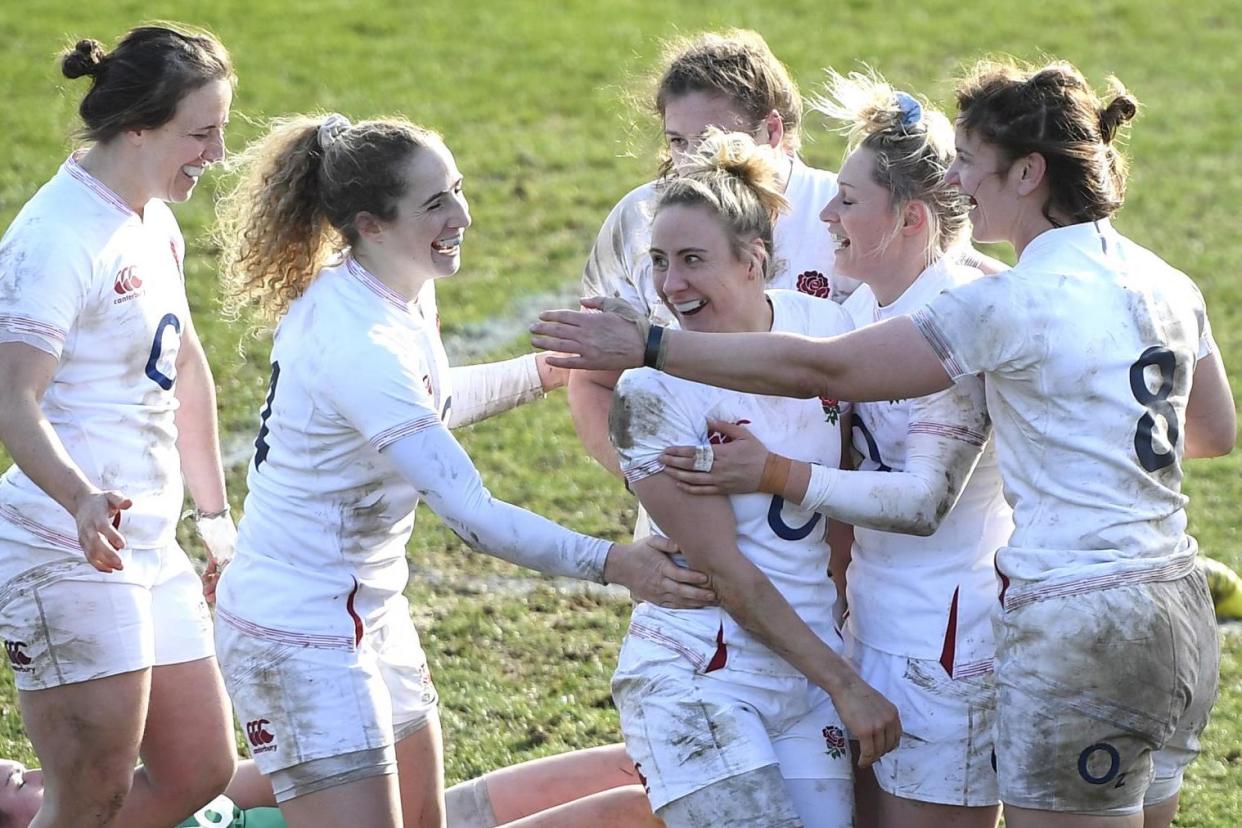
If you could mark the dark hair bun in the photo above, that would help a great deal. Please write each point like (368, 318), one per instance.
(83, 59)
(1120, 110)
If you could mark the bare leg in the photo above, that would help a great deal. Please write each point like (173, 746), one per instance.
(187, 751)
(1161, 814)
(87, 737)
(420, 773)
(374, 802)
(896, 812)
(534, 786)
(1027, 818)
(866, 794)
(249, 788)
(624, 807)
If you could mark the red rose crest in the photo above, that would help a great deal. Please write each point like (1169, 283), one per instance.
(717, 439)
(814, 283)
(832, 409)
(834, 737)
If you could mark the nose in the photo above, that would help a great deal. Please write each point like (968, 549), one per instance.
(33, 777)
(215, 149)
(951, 176)
(463, 219)
(830, 214)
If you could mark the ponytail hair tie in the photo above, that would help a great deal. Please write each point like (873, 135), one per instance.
(911, 110)
(331, 129)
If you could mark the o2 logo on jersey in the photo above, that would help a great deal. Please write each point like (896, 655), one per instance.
(161, 365)
(18, 660)
(1100, 764)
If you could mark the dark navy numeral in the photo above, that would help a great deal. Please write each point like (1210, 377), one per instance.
(783, 529)
(161, 379)
(873, 450)
(260, 442)
(1157, 404)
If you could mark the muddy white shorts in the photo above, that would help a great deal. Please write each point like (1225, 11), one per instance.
(688, 729)
(1102, 694)
(63, 621)
(945, 753)
(299, 703)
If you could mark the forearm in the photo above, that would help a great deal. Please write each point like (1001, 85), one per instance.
(198, 441)
(438, 467)
(490, 388)
(842, 367)
(38, 452)
(589, 401)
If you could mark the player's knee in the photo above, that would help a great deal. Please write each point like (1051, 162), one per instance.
(91, 793)
(213, 775)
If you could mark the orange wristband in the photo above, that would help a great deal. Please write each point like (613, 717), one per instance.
(775, 475)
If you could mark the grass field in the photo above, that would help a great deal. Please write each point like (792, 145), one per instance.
(530, 98)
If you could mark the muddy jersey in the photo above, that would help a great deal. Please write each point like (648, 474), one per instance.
(357, 370)
(1088, 347)
(803, 260)
(787, 543)
(88, 280)
(926, 597)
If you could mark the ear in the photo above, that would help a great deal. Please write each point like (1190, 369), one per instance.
(134, 137)
(754, 268)
(913, 218)
(1030, 172)
(369, 227)
(774, 129)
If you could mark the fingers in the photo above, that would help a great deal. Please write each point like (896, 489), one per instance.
(728, 429)
(594, 302)
(561, 317)
(680, 575)
(662, 544)
(687, 597)
(99, 554)
(866, 750)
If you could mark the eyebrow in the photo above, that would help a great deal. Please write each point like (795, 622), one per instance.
(680, 251)
(443, 193)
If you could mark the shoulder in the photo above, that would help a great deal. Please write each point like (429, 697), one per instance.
(635, 207)
(799, 313)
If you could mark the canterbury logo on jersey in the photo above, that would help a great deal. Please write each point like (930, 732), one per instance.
(17, 658)
(260, 739)
(128, 285)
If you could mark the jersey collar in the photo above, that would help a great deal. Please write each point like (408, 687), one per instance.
(373, 284)
(96, 187)
(1093, 236)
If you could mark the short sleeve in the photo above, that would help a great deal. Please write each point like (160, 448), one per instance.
(982, 326)
(648, 416)
(618, 250)
(382, 389)
(45, 283)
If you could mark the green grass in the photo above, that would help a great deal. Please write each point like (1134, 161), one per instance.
(529, 97)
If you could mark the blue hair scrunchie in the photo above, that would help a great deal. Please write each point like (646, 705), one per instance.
(911, 110)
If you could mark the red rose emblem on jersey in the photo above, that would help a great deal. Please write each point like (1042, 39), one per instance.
(834, 738)
(814, 283)
(832, 409)
(715, 438)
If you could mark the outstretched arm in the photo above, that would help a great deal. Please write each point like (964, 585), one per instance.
(889, 360)
(490, 388)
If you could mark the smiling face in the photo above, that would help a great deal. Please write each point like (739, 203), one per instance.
(698, 275)
(425, 238)
(981, 174)
(688, 116)
(21, 792)
(861, 219)
(174, 155)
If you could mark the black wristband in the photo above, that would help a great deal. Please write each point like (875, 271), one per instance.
(651, 354)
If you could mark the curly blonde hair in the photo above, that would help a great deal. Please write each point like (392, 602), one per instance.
(295, 198)
(738, 181)
(913, 146)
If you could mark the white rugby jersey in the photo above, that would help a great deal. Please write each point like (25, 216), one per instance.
(926, 597)
(86, 279)
(787, 543)
(1088, 347)
(321, 546)
(804, 255)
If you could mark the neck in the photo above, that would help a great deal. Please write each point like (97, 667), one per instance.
(398, 279)
(108, 164)
(894, 277)
(758, 318)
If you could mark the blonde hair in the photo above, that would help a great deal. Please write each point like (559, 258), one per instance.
(296, 195)
(1052, 110)
(737, 64)
(738, 181)
(913, 146)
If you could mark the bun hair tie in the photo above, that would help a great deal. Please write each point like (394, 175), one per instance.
(331, 129)
(911, 111)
